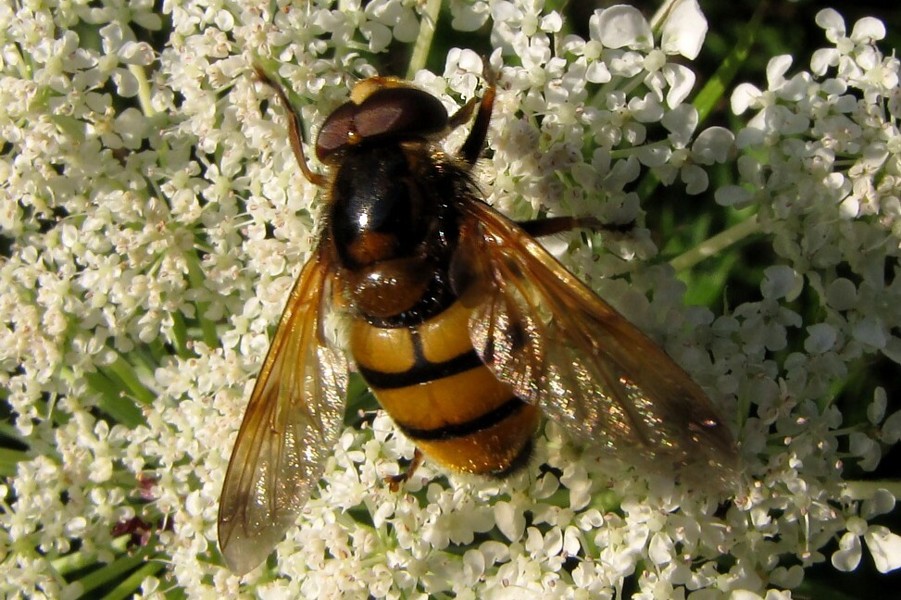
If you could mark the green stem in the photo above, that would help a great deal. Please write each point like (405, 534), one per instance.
(662, 13)
(715, 87)
(716, 244)
(9, 430)
(864, 490)
(647, 186)
(81, 560)
(132, 583)
(424, 40)
(113, 399)
(144, 98)
(125, 371)
(625, 152)
(117, 569)
(180, 335)
(196, 277)
(9, 459)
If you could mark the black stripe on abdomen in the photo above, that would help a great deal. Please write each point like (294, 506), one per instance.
(458, 430)
(421, 372)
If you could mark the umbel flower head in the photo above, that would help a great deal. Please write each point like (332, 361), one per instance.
(153, 221)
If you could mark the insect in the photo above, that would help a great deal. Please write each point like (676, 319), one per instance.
(465, 328)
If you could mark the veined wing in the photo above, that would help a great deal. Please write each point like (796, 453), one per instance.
(290, 426)
(545, 333)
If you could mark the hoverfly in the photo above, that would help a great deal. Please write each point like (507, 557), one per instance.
(465, 328)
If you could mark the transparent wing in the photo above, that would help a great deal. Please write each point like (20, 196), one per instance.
(290, 426)
(545, 333)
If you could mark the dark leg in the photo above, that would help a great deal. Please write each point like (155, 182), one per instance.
(552, 225)
(475, 142)
(395, 481)
(463, 114)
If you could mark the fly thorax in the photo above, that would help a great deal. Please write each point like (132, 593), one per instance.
(385, 227)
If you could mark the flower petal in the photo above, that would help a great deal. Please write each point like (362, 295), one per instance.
(621, 27)
(684, 30)
(885, 547)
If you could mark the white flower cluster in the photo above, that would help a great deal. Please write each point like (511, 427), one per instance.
(821, 159)
(153, 220)
(575, 116)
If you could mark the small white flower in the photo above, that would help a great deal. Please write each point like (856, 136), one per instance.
(621, 27)
(468, 15)
(684, 30)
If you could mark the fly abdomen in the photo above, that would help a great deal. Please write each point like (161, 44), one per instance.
(433, 384)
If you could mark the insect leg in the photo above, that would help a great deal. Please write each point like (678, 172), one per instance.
(463, 114)
(552, 225)
(395, 481)
(293, 128)
(475, 141)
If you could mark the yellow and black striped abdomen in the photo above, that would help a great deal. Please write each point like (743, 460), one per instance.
(433, 384)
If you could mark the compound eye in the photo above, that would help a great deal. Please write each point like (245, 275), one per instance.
(392, 112)
(400, 111)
